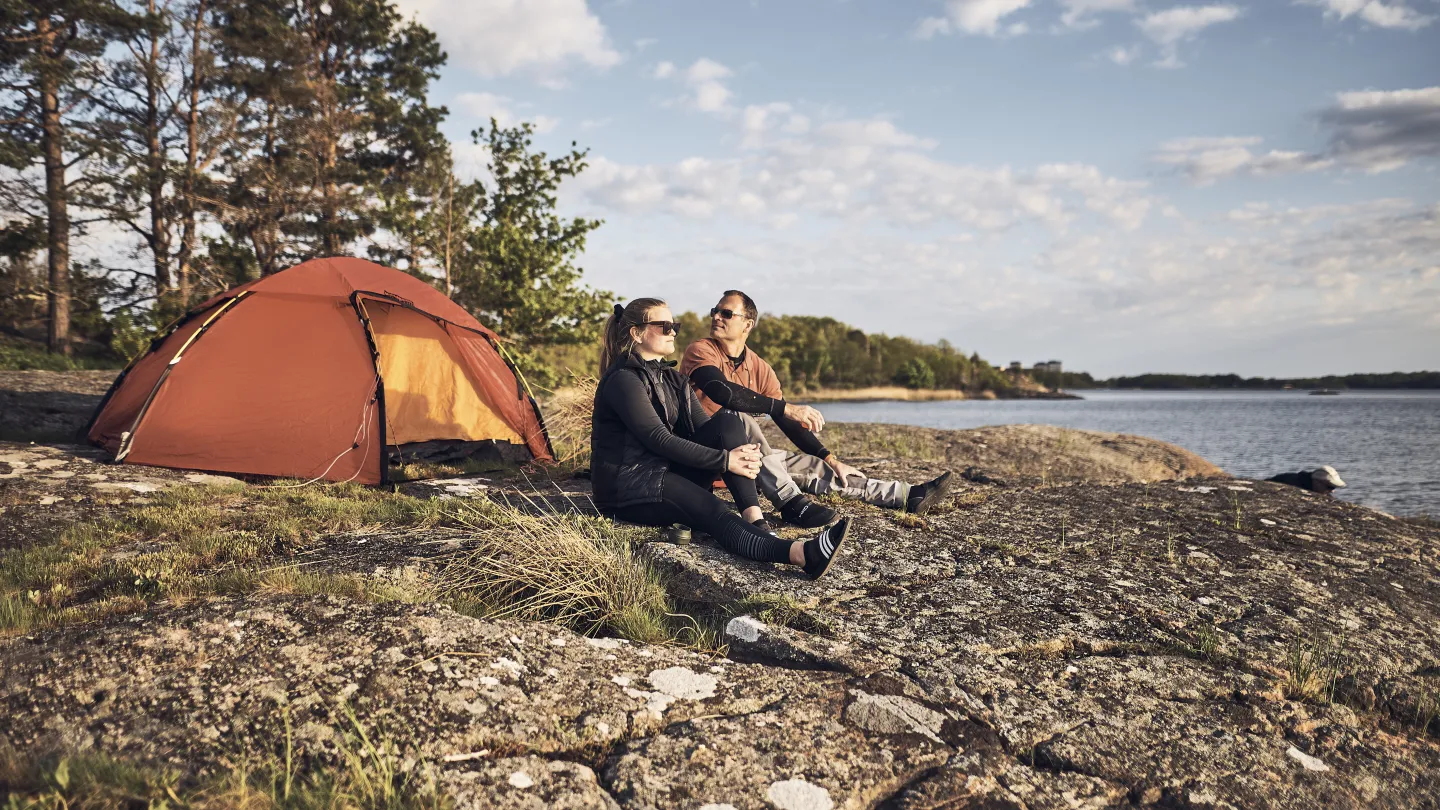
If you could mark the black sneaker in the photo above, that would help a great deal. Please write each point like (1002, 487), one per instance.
(807, 514)
(763, 525)
(821, 550)
(924, 496)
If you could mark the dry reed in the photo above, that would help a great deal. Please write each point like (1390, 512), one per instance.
(570, 569)
(567, 417)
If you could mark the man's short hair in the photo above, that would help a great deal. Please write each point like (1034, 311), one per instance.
(745, 301)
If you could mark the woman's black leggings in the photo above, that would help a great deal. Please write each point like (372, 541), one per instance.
(686, 499)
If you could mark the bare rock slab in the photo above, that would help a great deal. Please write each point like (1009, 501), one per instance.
(513, 714)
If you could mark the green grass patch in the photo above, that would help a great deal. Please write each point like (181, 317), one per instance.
(367, 773)
(188, 542)
(580, 572)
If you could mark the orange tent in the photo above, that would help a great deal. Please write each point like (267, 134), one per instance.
(315, 372)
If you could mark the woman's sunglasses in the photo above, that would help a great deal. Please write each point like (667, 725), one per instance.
(727, 314)
(666, 327)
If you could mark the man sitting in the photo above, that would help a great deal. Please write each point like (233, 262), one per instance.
(726, 374)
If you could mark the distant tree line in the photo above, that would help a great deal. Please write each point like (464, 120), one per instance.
(186, 146)
(810, 352)
(1393, 380)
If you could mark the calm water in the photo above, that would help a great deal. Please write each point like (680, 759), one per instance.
(1385, 444)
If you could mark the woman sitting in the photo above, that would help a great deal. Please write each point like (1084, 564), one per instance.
(655, 453)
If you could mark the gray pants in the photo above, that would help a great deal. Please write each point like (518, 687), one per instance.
(783, 475)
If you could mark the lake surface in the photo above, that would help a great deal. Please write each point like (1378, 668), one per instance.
(1385, 444)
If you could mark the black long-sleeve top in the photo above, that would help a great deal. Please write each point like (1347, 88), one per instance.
(628, 397)
(711, 381)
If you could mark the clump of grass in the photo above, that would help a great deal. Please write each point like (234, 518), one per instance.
(187, 542)
(1202, 641)
(970, 499)
(369, 773)
(568, 415)
(570, 569)
(909, 520)
(1312, 667)
(782, 611)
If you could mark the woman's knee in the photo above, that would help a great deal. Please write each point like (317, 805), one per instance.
(731, 427)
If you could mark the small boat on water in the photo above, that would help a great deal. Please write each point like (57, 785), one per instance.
(1324, 392)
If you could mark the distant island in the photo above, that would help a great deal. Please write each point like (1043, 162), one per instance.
(1173, 382)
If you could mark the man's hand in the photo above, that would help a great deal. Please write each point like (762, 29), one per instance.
(805, 415)
(842, 470)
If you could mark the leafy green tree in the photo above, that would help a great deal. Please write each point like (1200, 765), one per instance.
(518, 273)
(915, 374)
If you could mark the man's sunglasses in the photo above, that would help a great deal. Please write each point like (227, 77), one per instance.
(666, 327)
(727, 314)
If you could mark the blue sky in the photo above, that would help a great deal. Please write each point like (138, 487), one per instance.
(1126, 185)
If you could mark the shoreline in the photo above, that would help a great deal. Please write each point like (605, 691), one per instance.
(895, 393)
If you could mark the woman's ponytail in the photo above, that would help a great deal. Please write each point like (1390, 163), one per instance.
(615, 341)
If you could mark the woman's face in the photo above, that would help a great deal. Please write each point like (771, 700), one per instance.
(651, 339)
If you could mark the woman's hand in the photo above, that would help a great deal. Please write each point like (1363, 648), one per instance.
(744, 461)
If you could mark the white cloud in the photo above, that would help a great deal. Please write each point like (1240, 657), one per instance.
(972, 17)
(1371, 130)
(1205, 160)
(1123, 56)
(501, 37)
(860, 170)
(1183, 22)
(1172, 26)
(1082, 13)
(705, 81)
(1374, 12)
(1379, 130)
(485, 106)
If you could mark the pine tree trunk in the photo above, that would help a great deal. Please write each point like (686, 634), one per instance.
(52, 145)
(188, 231)
(155, 178)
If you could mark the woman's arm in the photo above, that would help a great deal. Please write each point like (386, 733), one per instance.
(626, 394)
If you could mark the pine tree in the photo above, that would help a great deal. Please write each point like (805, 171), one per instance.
(50, 60)
(334, 108)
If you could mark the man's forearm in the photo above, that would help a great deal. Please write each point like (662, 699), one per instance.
(807, 442)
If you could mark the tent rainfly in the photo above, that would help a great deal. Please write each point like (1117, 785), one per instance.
(315, 373)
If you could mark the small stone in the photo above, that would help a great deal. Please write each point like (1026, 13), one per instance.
(1310, 763)
(1267, 521)
(797, 794)
(521, 780)
(604, 643)
(683, 683)
(745, 628)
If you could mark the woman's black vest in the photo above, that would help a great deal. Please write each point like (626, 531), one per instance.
(623, 471)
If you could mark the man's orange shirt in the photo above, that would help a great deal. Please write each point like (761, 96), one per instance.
(753, 372)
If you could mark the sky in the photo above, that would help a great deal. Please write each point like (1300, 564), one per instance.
(1128, 186)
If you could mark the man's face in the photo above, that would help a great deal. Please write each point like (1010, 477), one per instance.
(734, 328)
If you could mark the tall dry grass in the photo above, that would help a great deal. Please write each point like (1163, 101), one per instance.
(567, 417)
(562, 567)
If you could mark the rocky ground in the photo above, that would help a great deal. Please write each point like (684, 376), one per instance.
(1059, 634)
